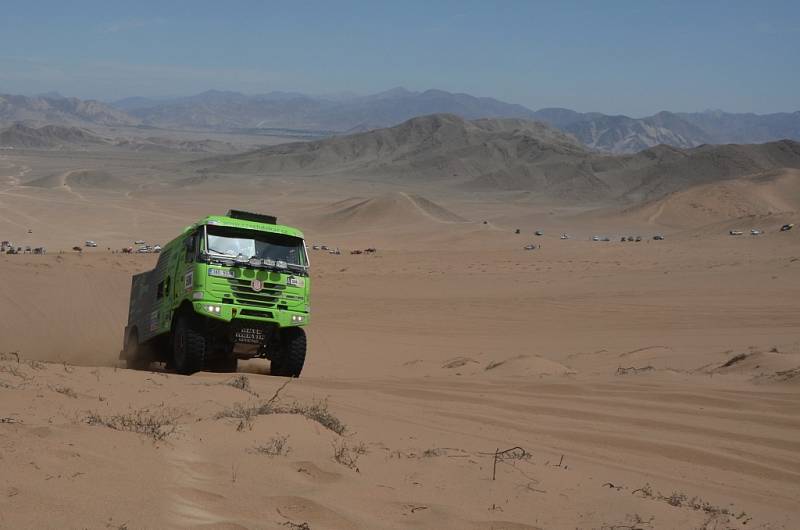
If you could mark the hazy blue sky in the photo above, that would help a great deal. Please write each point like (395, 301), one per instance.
(631, 57)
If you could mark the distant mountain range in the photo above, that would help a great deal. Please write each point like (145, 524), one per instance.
(345, 113)
(616, 134)
(54, 109)
(65, 137)
(507, 155)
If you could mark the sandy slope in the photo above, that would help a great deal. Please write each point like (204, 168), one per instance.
(760, 195)
(651, 385)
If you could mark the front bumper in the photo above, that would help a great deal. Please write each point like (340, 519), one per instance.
(228, 312)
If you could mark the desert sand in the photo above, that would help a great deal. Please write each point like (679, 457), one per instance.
(634, 385)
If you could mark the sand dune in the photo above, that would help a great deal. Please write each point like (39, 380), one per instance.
(397, 209)
(756, 196)
(636, 385)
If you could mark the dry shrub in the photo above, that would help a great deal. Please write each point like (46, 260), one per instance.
(317, 411)
(347, 454)
(7, 356)
(634, 370)
(157, 426)
(13, 370)
(296, 526)
(67, 391)
(275, 446)
(36, 365)
(242, 382)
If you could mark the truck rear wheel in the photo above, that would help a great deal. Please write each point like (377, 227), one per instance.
(292, 354)
(188, 347)
(137, 356)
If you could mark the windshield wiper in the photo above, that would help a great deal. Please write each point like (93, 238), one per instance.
(221, 253)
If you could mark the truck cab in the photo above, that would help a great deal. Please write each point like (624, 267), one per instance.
(229, 287)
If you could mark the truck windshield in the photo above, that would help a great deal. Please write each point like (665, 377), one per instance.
(234, 242)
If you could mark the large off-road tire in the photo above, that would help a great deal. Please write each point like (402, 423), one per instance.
(292, 353)
(137, 356)
(189, 349)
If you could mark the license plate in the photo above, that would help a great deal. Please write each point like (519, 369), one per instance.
(250, 336)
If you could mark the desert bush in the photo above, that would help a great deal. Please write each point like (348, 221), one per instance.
(317, 411)
(13, 370)
(275, 446)
(347, 454)
(67, 391)
(157, 426)
(242, 382)
(296, 526)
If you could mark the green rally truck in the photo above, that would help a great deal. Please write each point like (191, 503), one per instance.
(230, 287)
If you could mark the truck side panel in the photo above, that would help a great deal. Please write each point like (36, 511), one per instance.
(149, 298)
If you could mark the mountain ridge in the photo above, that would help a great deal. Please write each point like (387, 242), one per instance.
(507, 155)
(219, 110)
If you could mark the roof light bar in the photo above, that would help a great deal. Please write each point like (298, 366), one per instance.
(255, 217)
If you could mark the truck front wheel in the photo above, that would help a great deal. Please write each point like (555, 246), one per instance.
(292, 353)
(188, 347)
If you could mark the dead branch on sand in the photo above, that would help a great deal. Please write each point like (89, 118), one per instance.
(292, 525)
(6, 356)
(514, 453)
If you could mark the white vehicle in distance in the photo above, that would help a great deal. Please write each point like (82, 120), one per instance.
(756, 232)
(91, 244)
(564, 236)
(595, 238)
(139, 242)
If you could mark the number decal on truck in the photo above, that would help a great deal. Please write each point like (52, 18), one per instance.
(188, 280)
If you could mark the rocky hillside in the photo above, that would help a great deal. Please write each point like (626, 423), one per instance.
(61, 111)
(622, 134)
(20, 136)
(498, 155)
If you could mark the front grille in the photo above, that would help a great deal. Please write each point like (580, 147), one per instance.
(245, 295)
(254, 313)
